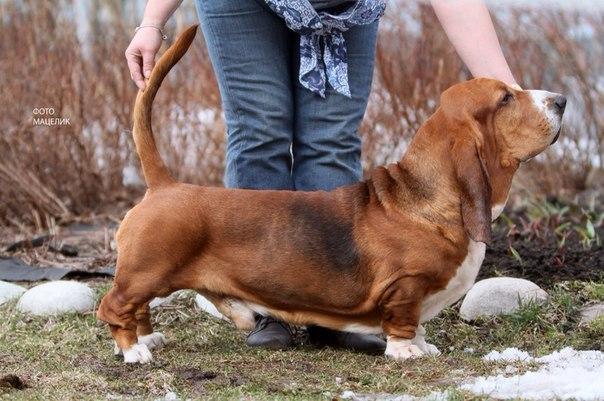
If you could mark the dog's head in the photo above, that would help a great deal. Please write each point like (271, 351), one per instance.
(493, 128)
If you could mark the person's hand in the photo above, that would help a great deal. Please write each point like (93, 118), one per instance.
(141, 52)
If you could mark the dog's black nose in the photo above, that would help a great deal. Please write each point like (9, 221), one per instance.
(560, 103)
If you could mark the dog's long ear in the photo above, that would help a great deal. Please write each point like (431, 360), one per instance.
(475, 188)
(462, 105)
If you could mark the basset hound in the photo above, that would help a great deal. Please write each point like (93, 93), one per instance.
(380, 256)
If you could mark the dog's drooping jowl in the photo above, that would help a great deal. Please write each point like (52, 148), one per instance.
(381, 256)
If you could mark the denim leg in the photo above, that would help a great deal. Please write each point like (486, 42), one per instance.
(326, 146)
(250, 48)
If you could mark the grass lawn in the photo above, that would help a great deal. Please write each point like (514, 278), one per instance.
(70, 357)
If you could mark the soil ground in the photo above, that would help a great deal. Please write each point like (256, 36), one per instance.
(542, 259)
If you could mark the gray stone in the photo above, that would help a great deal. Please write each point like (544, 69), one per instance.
(57, 297)
(591, 312)
(499, 295)
(9, 291)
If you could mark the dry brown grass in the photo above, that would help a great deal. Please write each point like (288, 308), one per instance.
(53, 173)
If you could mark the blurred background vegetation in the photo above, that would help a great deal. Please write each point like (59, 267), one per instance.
(68, 55)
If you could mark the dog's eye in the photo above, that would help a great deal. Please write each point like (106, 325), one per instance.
(507, 98)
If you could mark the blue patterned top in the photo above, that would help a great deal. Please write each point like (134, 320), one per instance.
(312, 25)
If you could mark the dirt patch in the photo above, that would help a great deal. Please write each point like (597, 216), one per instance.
(542, 257)
(195, 375)
(12, 382)
(197, 378)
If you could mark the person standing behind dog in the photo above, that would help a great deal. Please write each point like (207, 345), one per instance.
(294, 78)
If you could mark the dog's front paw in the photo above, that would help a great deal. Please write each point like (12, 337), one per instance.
(137, 353)
(402, 349)
(153, 341)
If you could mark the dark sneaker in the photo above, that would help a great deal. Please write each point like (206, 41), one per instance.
(270, 333)
(367, 343)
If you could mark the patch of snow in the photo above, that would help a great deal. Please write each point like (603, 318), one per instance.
(508, 355)
(564, 374)
(509, 369)
(433, 396)
(170, 396)
(350, 395)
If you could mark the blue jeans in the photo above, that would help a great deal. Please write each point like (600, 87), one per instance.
(279, 134)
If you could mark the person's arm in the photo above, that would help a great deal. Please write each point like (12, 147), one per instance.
(146, 42)
(468, 26)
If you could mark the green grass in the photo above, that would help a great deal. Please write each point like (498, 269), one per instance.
(594, 291)
(70, 357)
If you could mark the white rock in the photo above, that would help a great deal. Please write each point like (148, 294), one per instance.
(169, 300)
(592, 312)
(9, 291)
(164, 301)
(161, 301)
(205, 305)
(499, 295)
(57, 297)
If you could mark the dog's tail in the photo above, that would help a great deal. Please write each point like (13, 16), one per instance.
(155, 171)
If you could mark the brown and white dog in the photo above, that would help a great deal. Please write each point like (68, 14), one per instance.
(380, 256)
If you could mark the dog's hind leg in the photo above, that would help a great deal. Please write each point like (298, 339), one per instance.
(119, 309)
(144, 329)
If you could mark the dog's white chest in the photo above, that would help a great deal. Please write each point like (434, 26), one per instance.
(460, 283)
